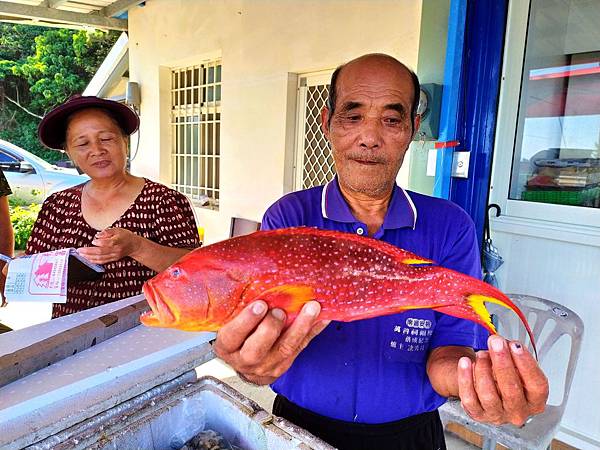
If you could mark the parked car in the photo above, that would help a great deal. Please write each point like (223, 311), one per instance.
(30, 177)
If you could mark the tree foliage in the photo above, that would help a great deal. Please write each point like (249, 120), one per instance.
(39, 69)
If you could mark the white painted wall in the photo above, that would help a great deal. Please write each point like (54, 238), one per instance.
(542, 261)
(263, 43)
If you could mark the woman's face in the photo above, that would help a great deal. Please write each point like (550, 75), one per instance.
(96, 144)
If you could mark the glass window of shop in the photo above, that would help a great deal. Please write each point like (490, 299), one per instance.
(557, 145)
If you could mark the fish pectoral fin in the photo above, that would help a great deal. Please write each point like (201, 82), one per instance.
(149, 319)
(290, 297)
(417, 262)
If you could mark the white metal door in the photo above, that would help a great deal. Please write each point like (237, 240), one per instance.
(313, 160)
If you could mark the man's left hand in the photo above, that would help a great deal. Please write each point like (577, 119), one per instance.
(502, 385)
(110, 245)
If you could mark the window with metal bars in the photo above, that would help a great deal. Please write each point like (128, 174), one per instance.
(314, 161)
(196, 131)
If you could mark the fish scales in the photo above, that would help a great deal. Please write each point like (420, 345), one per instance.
(352, 277)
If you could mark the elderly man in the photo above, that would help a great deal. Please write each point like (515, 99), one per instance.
(361, 384)
(7, 239)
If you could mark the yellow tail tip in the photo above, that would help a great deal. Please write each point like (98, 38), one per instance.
(477, 302)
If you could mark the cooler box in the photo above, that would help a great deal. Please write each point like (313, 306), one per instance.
(99, 380)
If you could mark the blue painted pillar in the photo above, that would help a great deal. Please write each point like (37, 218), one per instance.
(482, 70)
(476, 30)
(450, 96)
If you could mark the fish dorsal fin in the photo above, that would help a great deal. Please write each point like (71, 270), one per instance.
(398, 253)
(289, 297)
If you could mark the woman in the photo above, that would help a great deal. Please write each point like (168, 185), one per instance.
(134, 227)
(7, 238)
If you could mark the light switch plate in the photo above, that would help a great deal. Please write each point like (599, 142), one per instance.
(460, 164)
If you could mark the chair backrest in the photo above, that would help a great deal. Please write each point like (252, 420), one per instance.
(548, 321)
(240, 226)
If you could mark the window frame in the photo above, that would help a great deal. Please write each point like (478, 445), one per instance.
(188, 108)
(562, 217)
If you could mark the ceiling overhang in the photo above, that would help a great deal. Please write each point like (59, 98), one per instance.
(98, 14)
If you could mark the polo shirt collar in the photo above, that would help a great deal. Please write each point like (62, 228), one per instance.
(401, 212)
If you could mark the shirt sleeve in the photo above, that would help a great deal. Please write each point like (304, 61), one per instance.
(4, 186)
(273, 219)
(176, 222)
(462, 256)
(286, 212)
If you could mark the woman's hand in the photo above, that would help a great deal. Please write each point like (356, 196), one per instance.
(111, 245)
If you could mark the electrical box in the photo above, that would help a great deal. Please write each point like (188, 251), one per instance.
(430, 104)
(132, 94)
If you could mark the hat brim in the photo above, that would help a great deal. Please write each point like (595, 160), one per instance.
(52, 129)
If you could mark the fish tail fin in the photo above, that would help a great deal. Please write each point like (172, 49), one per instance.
(477, 312)
(477, 302)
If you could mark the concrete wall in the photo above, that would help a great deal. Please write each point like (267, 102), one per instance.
(263, 45)
(430, 68)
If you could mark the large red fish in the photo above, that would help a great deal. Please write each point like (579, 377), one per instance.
(352, 277)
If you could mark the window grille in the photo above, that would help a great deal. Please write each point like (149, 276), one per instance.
(314, 161)
(196, 132)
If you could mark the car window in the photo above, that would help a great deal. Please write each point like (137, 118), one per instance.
(9, 163)
(20, 153)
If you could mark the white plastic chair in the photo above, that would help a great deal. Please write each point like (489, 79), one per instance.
(241, 226)
(549, 321)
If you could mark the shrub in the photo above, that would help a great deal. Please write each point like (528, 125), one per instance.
(23, 218)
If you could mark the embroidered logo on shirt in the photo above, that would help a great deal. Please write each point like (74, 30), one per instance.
(414, 335)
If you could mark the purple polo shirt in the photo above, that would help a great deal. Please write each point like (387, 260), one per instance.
(373, 370)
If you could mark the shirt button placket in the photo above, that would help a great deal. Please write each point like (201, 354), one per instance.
(360, 231)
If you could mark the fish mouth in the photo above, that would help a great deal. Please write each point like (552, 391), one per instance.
(161, 314)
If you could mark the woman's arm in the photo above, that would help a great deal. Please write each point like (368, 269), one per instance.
(174, 235)
(113, 244)
(7, 241)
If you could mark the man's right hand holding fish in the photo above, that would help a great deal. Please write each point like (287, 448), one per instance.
(259, 346)
(377, 382)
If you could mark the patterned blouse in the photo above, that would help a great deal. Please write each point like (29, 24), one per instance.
(159, 214)
(4, 187)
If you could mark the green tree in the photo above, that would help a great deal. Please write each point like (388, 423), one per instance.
(39, 69)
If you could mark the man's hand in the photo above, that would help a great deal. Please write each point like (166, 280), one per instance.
(257, 345)
(502, 385)
(111, 244)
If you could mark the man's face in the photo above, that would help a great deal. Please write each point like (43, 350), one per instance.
(370, 129)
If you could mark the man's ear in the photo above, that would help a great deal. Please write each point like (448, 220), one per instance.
(416, 125)
(325, 121)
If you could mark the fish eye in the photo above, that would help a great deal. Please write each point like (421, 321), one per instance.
(175, 272)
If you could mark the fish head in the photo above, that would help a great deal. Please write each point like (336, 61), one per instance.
(191, 295)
